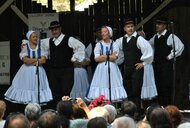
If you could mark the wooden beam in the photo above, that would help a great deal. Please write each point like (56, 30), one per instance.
(157, 10)
(20, 14)
(5, 6)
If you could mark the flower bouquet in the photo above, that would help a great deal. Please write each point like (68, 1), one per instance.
(99, 101)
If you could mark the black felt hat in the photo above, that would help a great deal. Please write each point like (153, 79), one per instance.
(54, 24)
(129, 20)
(162, 19)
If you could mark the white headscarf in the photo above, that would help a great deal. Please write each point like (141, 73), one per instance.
(110, 31)
(29, 33)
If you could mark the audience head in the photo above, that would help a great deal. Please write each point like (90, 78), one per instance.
(64, 108)
(129, 108)
(16, 120)
(78, 123)
(124, 122)
(99, 112)
(175, 115)
(78, 112)
(184, 125)
(143, 124)
(49, 119)
(112, 112)
(32, 111)
(2, 108)
(150, 109)
(97, 122)
(159, 118)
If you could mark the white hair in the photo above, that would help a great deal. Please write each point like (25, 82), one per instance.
(124, 122)
(99, 112)
(32, 111)
(112, 111)
(184, 125)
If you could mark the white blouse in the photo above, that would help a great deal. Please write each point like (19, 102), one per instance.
(179, 47)
(142, 44)
(77, 46)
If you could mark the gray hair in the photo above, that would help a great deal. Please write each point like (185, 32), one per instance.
(112, 112)
(184, 125)
(32, 111)
(124, 121)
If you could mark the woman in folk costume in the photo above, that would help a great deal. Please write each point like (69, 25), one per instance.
(81, 82)
(31, 75)
(100, 82)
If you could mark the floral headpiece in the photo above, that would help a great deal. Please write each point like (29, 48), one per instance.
(99, 101)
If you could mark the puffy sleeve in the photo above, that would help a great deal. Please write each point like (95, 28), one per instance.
(44, 52)
(146, 50)
(78, 49)
(23, 52)
(45, 45)
(97, 50)
(179, 46)
(115, 48)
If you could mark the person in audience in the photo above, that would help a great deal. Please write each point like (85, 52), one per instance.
(64, 108)
(30, 84)
(100, 112)
(16, 120)
(79, 104)
(149, 111)
(160, 118)
(2, 113)
(175, 115)
(184, 125)
(97, 122)
(129, 109)
(78, 123)
(112, 112)
(124, 122)
(49, 119)
(143, 124)
(32, 112)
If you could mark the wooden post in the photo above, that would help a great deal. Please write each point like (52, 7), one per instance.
(72, 5)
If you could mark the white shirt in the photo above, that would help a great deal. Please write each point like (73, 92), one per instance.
(142, 44)
(77, 46)
(179, 47)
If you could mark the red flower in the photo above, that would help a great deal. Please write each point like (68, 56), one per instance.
(99, 101)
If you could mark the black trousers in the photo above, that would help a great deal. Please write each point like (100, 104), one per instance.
(61, 82)
(164, 80)
(133, 80)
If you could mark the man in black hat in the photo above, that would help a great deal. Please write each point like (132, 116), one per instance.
(162, 43)
(137, 53)
(64, 52)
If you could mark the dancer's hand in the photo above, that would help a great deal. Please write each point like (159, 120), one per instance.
(139, 66)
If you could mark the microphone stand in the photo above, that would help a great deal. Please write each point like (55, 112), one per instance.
(38, 80)
(109, 77)
(174, 63)
(37, 68)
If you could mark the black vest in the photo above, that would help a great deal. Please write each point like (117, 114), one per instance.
(60, 55)
(161, 49)
(132, 54)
